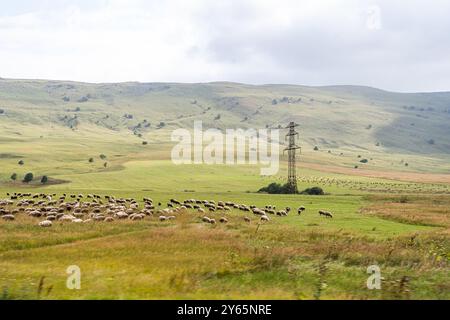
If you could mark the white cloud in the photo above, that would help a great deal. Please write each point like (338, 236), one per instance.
(365, 42)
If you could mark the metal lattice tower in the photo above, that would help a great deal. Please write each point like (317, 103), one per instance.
(292, 177)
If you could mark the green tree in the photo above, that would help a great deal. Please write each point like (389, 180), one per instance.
(28, 177)
(44, 179)
(14, 176)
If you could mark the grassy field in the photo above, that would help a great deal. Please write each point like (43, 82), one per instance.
(406, 235)
(385, 212)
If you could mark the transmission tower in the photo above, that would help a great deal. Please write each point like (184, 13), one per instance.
(292, 177)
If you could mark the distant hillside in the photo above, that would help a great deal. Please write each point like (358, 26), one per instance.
(334, 117)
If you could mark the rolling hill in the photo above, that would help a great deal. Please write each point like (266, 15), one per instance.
(53, 123)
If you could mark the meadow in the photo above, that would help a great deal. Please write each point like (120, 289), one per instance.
(392, 211)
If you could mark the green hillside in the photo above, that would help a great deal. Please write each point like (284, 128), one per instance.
(55, 126)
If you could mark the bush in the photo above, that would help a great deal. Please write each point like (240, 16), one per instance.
(316, 148)
(144, 143)
(314, 191)
(102, 156)
(14, 176)
(364, 161)
(276, 188)
(44, 179)
(21, 162)
(28, 177)
(91, 160)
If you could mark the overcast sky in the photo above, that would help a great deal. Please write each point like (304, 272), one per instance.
(393, 44)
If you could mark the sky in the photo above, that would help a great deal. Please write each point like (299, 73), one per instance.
(389, 44)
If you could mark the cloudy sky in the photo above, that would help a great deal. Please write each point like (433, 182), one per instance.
(391, 44)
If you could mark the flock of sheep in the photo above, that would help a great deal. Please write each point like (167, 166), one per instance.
(76, 209)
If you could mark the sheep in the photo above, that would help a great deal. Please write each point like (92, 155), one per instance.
(212, 221)
(66, 218)
(300, 210)
(45, 223)
(8, 217)
(265, 218)
(162, 218)
(223, 220)
(137, 216)
(281, 213)
(77, 220)
(200, 210)
(326, 214)
(206, 219)
(108, 219)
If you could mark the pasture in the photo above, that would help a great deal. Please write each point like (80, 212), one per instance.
(291, 257)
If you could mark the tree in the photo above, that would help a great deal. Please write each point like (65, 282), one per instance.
(28, 177)
(44, 179)
(316, 148)
(14, 176)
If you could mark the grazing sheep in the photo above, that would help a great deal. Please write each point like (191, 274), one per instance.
(212, 221)
(108, 219)
(281, 213)
(326, 214)
(247, 219)
(300, 210)
(206, 219)
(265, 218)
(45, 223)
(8, 217)
(162, 218)
(223, 220)
(77, 220)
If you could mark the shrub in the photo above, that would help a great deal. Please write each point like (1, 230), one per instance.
(105, 164)
(314, 191)
(316, 148)
(44, 179)
(275, 188)
(102, 156)
(14, 176)
(21, 162)
(144, 143)
(91, 160)
(364, 161)
(28, 177)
